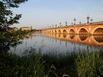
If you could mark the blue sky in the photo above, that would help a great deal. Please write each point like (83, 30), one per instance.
(42, 13)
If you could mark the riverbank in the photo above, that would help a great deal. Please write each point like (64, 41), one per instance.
(38, 65)
(46, 63)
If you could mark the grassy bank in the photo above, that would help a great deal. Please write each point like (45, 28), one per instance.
(37, 65)
(90, 64)
(26, 66)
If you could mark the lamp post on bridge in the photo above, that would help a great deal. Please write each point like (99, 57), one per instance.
(88, 18)
(91, 21)
(74, 21)
(52, 26)
(66, 23)
(56, 26)
(71, 23)
(60, 24)
(80, 22)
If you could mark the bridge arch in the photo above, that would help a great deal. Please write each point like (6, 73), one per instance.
(55, 31)
(64, 31)
(83, 31)
(72, 31)
(98, 31)
(59, 31)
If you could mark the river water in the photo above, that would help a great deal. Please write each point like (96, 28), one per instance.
(55, 44)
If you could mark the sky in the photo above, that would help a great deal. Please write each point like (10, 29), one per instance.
(44, 13)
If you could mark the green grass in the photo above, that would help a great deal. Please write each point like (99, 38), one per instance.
(90, 64)
(12, 65)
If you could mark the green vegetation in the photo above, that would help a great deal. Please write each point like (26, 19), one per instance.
(59, 65)
(7, 18)
(90, 64)
(31, 65)
(11, 38)
(11, 65)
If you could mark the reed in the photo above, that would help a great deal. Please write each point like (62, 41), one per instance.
(12, 65)
(90, 64)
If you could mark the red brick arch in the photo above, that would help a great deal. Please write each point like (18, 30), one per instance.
(59, 31)
(86, 29)
(97, 30)
(72, 31)
(83, 30)
(65, 31)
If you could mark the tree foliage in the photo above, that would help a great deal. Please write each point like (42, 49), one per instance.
(7, 17)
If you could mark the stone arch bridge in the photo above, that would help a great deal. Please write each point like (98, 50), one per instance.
(84, 29)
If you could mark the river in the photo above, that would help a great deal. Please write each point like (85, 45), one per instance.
(52, 44)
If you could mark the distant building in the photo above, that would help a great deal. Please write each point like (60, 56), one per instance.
(26, 28)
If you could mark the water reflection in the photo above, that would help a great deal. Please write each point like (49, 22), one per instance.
(57, 44)
(6, 43)
(98, 39)
(64, 35)
(72, 36)
(83, 39)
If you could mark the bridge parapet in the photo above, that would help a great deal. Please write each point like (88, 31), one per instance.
(83, 29)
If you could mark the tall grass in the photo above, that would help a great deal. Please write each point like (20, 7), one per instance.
(61, 64)
(90, 64)
(26, 66)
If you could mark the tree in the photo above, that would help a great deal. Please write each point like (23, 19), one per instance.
(7, 17)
